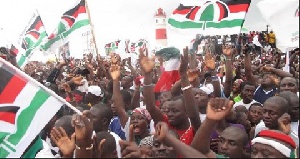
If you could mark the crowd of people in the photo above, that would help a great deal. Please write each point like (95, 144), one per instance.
(233, 100)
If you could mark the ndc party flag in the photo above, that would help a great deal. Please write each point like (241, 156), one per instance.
(26, 106)
(73, 20)
(170, 74)
(31, 39)
(209, 17)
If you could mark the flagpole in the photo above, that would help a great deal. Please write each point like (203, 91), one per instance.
(92, 26)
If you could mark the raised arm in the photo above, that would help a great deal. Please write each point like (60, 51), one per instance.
(117, 96)
(147, 65)
(278, 72)
(188, 95)
(185, 151)
(248, 71)
(228, 52)
(217, 108)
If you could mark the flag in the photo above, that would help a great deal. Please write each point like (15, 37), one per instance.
(26, 106)
(217, 17)
(283, 18)
(31, 39)
(170, 74)
(132, 48)
(73, 20)
(142, 43)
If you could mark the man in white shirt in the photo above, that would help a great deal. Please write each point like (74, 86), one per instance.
(274, 108)
(247, 94)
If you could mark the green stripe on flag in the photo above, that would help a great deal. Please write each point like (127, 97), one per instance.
(38, 43)
(184, 24)
(199, 25)
(76, 26)
(225, 24)
(27, 115)
(21, 61)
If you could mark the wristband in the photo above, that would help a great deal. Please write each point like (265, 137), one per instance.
(147, 85)
(186, 88)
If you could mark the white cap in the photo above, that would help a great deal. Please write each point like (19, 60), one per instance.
(208, 89)
(95, 90)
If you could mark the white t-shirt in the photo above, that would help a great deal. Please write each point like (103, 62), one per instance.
(246, 105)
(202, 117)
(45, 152)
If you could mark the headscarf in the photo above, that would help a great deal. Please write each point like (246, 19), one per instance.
(147, 141)
(144, 112)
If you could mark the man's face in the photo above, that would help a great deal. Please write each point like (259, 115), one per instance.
(160, 150)
(288, 84)
(231, 144)
(247, 93)
(175, 112)
(255, 114)
(271, 113)
(259, 150)
(201, 98)
(266, 80)
(294, 111)
(126, 81)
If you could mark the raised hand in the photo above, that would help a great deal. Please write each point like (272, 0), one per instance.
(115, 72)
(147, 64)
(62, 141)
(227, 50)
(218, 108)
(83, 125)
(115, 59)
(184, 61)
(77, 80)
(66, 87)
(209, 61)
(161, 131)
(192, 74)
(284, 123)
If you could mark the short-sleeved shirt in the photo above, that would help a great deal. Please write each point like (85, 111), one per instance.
(115, 126)
(186, 136)
(244, 104)
(261, 95)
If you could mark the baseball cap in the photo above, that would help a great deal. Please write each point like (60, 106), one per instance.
(95, 90)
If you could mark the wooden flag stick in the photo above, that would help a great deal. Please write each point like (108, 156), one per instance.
(92, 26)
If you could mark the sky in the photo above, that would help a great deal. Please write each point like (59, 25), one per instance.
(112, 19)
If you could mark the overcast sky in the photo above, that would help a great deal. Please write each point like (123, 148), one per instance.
(112, 19)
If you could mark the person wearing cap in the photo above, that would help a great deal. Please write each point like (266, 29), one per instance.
(272, 144)
(202, 96)
(94, 95)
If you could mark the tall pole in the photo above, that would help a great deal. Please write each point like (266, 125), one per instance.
(92, 26)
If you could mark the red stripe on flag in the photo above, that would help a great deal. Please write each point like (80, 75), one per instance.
(193, 14)
(80, 10)
(238, 8)
(8, 117)
(184, 11)
(35, 34)
(69, 21)
(222, 11)
(39, 25)
(12, 89)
